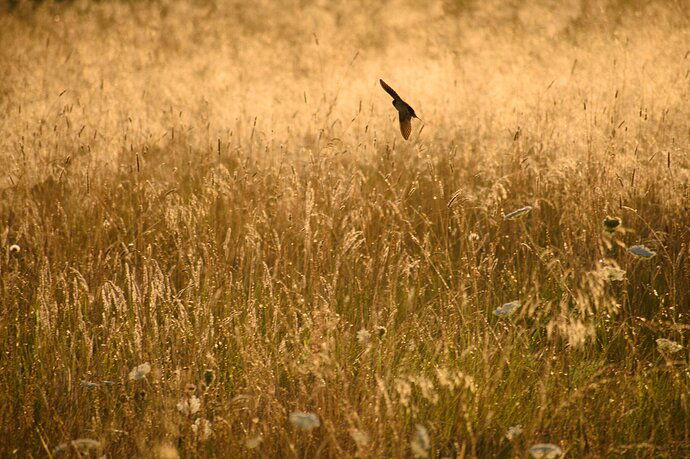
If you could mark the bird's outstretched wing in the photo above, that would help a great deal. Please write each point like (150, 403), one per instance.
(389, 90)
(405, 125)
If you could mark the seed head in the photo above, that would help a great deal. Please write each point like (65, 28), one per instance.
(611, 224)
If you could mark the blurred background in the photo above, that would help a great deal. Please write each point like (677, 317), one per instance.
(308, 67)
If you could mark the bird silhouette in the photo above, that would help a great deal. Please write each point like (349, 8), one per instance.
(405, 112)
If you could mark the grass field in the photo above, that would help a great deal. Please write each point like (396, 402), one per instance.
(211, 224)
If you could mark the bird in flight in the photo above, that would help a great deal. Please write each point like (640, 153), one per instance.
(405, 112)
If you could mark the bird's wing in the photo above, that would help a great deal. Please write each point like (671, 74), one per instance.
(389, 90)
(405, 125)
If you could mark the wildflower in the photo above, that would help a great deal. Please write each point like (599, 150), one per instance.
(666, 345)
(611, 224)
(641, 251)
(381, 331)
(545, 451)
(304, 421)
(609, 273)
(363, 336)
(514, 432)
(519, 213)
(473, 237)
(420, 443)
(80, 444)
(189, 405)
(202, 428)
(14, 248)
(254, 441)
(139, 372)
(507, 309)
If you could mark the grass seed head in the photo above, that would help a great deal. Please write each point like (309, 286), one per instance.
(420, 443)
(519, 213)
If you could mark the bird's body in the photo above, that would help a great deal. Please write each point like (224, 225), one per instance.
(405, 111)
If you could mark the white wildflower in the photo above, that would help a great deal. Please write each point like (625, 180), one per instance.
(609, 273)
(304, 421)
(641, 251)
(203, 428)
(545, 451)
(507, 309)
(189, 405)
(80, 444)
(363, 336)
(666, 345)
(139, 372)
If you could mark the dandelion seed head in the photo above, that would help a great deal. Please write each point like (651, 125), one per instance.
(139, 372)
(304, 421)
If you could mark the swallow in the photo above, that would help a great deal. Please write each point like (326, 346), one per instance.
(405, 112)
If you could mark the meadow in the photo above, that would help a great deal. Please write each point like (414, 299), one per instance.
(214, 241)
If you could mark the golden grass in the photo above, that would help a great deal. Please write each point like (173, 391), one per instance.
(221, 191)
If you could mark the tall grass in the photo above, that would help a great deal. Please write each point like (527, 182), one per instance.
(221, 191)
